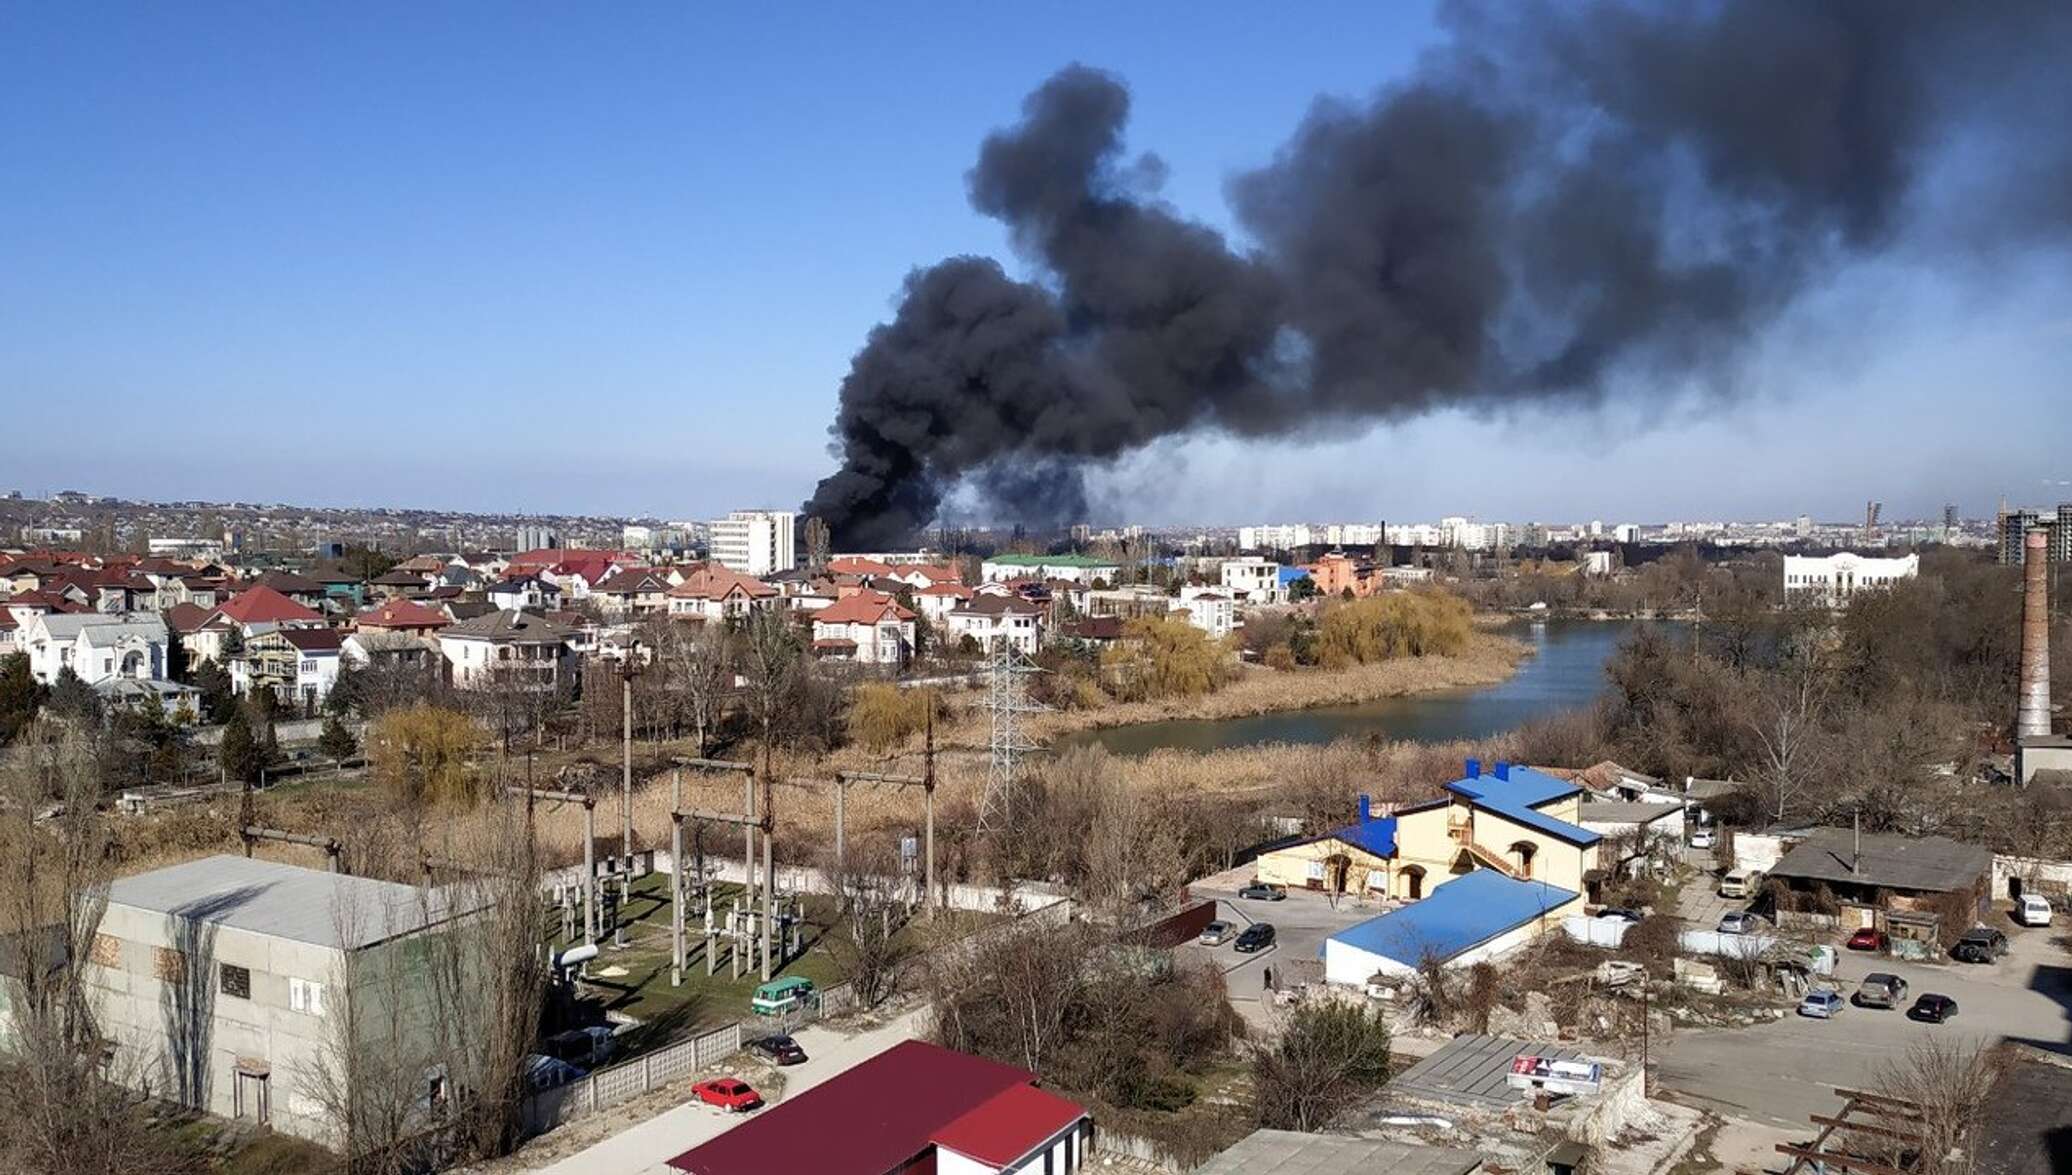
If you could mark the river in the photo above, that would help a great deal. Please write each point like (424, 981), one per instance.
(1566, 670)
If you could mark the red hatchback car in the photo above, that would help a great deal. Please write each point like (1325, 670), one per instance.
(1867, 939)
(728, 1094)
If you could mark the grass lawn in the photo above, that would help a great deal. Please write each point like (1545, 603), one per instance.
(634, 979)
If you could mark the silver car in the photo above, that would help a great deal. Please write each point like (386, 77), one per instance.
(1216, 933)
(1823, 1004)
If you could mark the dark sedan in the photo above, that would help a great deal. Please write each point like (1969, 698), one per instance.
(1932, 1009)
(778, 1050)
(1260, 891)
(1256, 937)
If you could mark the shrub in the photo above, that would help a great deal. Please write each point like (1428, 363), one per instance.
(421, 755)
(883, 716)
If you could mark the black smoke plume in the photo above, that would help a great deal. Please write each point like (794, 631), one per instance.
(1560, 197)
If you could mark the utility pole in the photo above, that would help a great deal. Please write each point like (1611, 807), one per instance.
(589, 804)
(769, 826)
(627, 672)
(926, 783)
(676, 878)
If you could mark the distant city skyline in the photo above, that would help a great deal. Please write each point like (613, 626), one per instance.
(570, 263)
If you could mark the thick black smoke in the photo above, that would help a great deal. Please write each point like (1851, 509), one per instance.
(1563, 196)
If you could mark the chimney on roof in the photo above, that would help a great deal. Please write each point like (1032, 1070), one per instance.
(1366, 813)
(1856, 847)
(1503, 769)
(2032, 713)
(1474, 769)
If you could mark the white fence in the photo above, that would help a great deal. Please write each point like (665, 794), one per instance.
(1730, 946)
(1143, 1150)
(1023, 898)
(1597, 932)
(1759, 851)
(2052, 879)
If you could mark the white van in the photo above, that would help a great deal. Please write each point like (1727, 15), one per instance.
(2031, 910)
(1737, 884)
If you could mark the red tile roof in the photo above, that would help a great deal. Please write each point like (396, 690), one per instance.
(870, 1120)
(865, 607)
(713, 582)
(403, 614)
(1009, 1125)
(314, 640)
(263, 605)
(852, 565)
(953, 590)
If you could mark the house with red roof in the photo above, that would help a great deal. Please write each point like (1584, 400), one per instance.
(712, 592)
(261, 608)
(404, 616)
(299, 665)
(199, 630)
(870, 627)
(914, 1109)
(636, 591)
(995, 621)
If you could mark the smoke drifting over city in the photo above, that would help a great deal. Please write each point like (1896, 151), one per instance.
(1560, 200)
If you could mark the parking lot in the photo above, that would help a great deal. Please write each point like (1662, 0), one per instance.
(1301, 923)
(1782, 1071)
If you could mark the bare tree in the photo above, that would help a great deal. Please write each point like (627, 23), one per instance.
(70, 1105)
(1325, 1056)
(1947, 1084)
(771, 665)
(866, 941)
(1787, 725)
(697, 665)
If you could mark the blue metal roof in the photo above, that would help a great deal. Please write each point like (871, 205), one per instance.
(1461, 914)
(1377, 836)
(1513, 797)
(1291, 574)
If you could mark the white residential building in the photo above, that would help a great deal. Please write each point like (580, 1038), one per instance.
(1832, 579)
(869, 626)
(120, 646)
(1208, 609)
(1254, 581)
(1354, 534)
(755, 542)
(996, 621)
(1286, 537)
(714, 593)
(508, 646)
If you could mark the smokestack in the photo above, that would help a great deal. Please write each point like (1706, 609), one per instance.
(2032, 717)
(1366, 813)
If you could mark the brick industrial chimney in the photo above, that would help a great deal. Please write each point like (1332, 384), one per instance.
(2032, 714)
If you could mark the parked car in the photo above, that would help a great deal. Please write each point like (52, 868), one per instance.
(1867, 939)
(1980, 944)
(781, 995)
(778, 1050)
(1619, 912)
(1701, 838)
(728, 1093)
(1216, 933)
(1881, 990)
(1932, 1008)
(543, 1072)
(1824, 1004)
(584, 1047)
(2032, 910)
(1739, 922)
(1260, 891)
(1736, 883)
(1256, 937)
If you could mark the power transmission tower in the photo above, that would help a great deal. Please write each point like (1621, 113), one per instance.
(1008, 698)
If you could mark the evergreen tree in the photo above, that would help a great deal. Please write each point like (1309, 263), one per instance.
(239, 752)
(176, 667)
(21, 695)
(72, 698)
(336, 742)
(217, 698)
(264, 707)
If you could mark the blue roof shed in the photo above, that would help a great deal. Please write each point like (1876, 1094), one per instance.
(1460, 915)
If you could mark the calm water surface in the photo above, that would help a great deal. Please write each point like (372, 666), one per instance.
(1567, 671)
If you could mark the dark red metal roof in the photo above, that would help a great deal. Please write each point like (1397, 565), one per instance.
(873, 1119)
(1009, 1125)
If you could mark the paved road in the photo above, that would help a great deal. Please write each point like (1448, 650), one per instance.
(647, 1148)
(1782, 1071)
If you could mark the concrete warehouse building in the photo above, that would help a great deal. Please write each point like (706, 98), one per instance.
(224, 979)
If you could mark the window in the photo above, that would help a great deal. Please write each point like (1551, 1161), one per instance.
(168, 964)
(234, 980)
(309, 667)
(306, 995)
(106, 951)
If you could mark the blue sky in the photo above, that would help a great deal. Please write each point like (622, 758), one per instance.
(616, 259)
